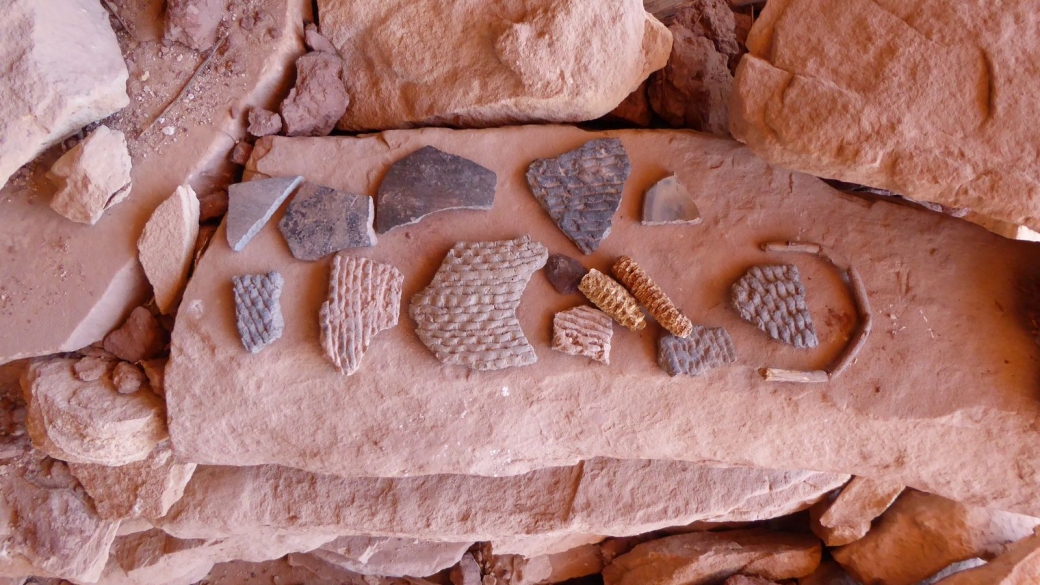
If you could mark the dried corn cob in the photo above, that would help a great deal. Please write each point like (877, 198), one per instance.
(612, 299)
(652, 297)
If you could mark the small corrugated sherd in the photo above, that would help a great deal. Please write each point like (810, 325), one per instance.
(258, 314)
(773, 298)
(646, 291)
(704, 349)
(612, 298)
(583, 331)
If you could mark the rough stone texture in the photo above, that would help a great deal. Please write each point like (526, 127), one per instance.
(316, 41)
(92, 177)
(364, 299)
(318, 100)
(564, 273)
(240, 153)
(391, 557)
(258, 313)
(251, 205)
(607, 294)
(468, 314)
(746, 580)
(669, 202)
(949, 570)
(575, 563)
(91, 368)
(194, 22)
(848, 516)
(430, 180)
(214, 204)
(1020, 565)
(50, 528)
(583, 331)
(581, 189)
(65, 287)
(89, 422)
(143, 489)
(705, 557)
(601, 496)
(829, 573)
(467, 572)
(474, 64)
(773, 298)
(166, 245)
(264, 122)
(922, 533)
(127, 378)
(705, 349)
(321, 220)
(693, 89)
(939, 118)
(62, 70)
(139, 338)
(650, 295)
(962, 427)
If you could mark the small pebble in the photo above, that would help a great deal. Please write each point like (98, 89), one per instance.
(169, 130)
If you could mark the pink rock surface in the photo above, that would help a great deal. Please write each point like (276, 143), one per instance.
(318, 99)
(194, 22)
(470, 63)
(141, 337)
(92, 176)
(391, 557)
(962, 427)
(601, 496)
(925, 99)
(1020, 565)
(167, 245)
(848, 516)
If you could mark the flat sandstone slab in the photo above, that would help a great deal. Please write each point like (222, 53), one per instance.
(943, 397)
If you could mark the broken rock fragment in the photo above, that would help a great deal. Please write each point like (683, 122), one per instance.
(89, 422)
(194, 22)
(391, 557)
(612, 299)
(467, 572)
(315, 41)
(564, 273)
(467, 314)
(127, 378)
(773, 299)
(364, 299)
(706, 348)
(263, 122)
(251, 205)
(646, 291)
(848, 516)
(319, 99)
(1020, 565)
(701, 557)
(166, 245)
(431, 180)
(63, 69)
(92, 176)
(213, 205)
(668, 202)
(581, 189)
(258, 314)
(91, 368)
(141, 337)
(583, 331)
(321, 220)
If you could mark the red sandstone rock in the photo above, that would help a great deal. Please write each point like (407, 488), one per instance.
(194, 22)
(391, 557)
(264, 122)
(127, 378)
(92, 177)
(848, 516)
(166, 246)
(139, 338)
(318, 100)
(316, 41)
(1020, 565)
(214, 204)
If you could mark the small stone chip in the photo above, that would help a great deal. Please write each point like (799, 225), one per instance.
(773, 298)
(583, 331)
(564, 273)
(613, 299)
(257, 311)
(91, 368)
(128, 378)
(646, 291)
(705, 349)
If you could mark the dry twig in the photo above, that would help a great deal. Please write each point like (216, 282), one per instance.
(184, 90)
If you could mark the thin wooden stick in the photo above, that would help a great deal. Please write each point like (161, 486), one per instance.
(198, 71)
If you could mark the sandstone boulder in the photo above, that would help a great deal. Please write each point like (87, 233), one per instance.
(474, 64)
(848, 516)
(925, 100)
(167, 244)
(63, 69)
(391, 557)
(923, 533)
(558, 411)
(89, 422)
(1020, 565)
(702, 558)
(92, 177)
(144, 488)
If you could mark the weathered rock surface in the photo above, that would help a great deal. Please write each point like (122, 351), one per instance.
(668, 202)
(705, 557)
(575, 563)
(91, 368)
(746, 580)
(467, 572)
(939, 118)
(139, 338)
(321, 220)
(581, 189)
(773, 298)
(194, 22)
(62, 70)
(258, 312)
(364, 299)
(467, 314)
(92, 177)
(251, 205)
(127, 378)
(601, 496)
(143, 489)
(166, 245)
(50, 528)
(318, 100)
(391, 557)
(473, 64)
(848, 516)
(89, 422)
(564, 273)
(828, 573)
(583, 331)
(1020, 565)
(951, 569)
(922, 533)
(264, 122)
(430, 180)
(316, 41)
(974, 409)
(705, 349)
